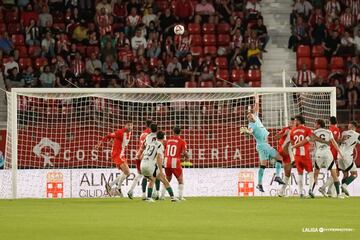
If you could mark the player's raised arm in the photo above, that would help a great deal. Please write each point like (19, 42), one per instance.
(281, 134)
(313, 137)
(256, 105)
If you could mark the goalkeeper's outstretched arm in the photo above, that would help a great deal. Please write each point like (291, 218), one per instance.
(256, 107)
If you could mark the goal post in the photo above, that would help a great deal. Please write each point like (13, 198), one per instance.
(52, 132)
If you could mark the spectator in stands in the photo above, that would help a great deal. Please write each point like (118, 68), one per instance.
(183, 47)
(142, 79)
(302, 8)
(353, 76)
(104, 21)
(149, 17)
(333, 8)
(318, 32)
(332, 44)
(253, 9)
(299, 34)
(224, 10)
(14, 79)
(357, 41)
(158, 81)
(29, 77)
(305, 77)
(92, 63)
(48, 46)
(238, 24)
(174, 64)
(110, 66)
(253, 57)
(132, 21)
(319, 82)
(184, 10)
(207, 68)
(6, 44)
(11, 64)
(189, 67)
(204, 9)
(154, 50)
(32, 34)
(347, 19)
(138, 42)
(47, 78)
(352, 95)
(167, 21)
(29, 14)
(347, 46)
(104, 4)
(45, 18)
(238, 60)
(262, 34)
(64, 78)
(315, 16)
(113, 83)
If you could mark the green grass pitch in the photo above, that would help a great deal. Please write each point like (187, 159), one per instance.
(195, 219)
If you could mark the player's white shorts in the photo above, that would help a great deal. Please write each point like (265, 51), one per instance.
(347, 163)
(324, 159)
(148, 168)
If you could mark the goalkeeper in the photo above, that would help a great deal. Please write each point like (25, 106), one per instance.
(265, 151)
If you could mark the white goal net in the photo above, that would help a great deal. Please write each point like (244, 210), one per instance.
(52, 133)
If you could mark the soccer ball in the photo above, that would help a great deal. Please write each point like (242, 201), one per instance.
(179, 29)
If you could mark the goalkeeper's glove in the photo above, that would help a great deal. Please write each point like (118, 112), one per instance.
(244, 130)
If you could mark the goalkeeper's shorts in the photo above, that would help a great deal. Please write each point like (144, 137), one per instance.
(265, 151)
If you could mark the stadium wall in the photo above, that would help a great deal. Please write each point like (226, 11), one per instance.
(90, 183)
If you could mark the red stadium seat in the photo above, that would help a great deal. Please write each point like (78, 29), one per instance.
(302, 61)
(208, 28)
(18, 39)
(223, 40)
(34, 51)
(196, 51)
(11, 17)
(255, 84)
(190, 84)
(303, 51)
(254, 75)
(14, 28)
(236, 74)
(210, 49)
(317, 51)
(222, 74)
(194, 28)
(196, 40)
(209, 40)
(223, 28)
(323, 73)
(207, 84)
(320, 63)
(40, 62)
(23, 52)
(221, 62)
(337, 63)
(25, 62)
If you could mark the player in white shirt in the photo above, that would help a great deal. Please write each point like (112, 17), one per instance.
(151, 164)
(324, 157)
(348, 141)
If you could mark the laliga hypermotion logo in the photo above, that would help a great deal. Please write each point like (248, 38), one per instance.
(47, 149)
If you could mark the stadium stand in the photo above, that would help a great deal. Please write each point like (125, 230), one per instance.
(326, 39)
(130, 43)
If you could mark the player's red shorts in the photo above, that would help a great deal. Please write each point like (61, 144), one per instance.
(118, 161)
(334, 153)
(303, 163)
(286, 157)
(176, 171)
(138, 163)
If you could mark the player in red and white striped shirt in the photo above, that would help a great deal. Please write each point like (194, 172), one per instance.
(175, 151)
(143, 136)
(300, 137)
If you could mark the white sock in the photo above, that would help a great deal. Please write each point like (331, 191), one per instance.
(135, 182)
(181, 190)
(301, 183)
(328, 183)
(312, 181)
(112, 183)
(120, 181)
(163, 191)
(286, 181)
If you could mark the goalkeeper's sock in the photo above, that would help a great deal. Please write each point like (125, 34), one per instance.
(170, 191)
(135, 182)
(144, 184)
(301, 183)
(150, 190)
(157, 185)
(337, 187)
(181, 190)
(278, 168)
(261, 174)
(349, 180)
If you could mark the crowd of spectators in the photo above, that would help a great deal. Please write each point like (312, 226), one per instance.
(129, 43)
(326, 37)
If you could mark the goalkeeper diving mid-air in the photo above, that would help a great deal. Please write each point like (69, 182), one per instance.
(265, 151)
